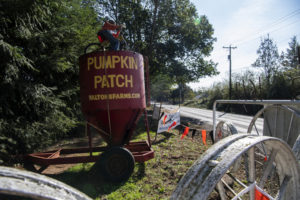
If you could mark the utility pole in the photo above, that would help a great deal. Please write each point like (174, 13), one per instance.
(229, 58)
(298, 52)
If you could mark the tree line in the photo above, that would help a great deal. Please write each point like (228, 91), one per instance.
(277, 77)
(41, 40)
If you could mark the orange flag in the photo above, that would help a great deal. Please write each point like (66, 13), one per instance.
(204, 137)
(186, 131)
(173, 124)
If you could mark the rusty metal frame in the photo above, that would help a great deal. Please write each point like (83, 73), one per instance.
(140, 151)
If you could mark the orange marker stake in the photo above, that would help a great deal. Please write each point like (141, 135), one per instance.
(260, 196)
(186, 131)
(204, 137)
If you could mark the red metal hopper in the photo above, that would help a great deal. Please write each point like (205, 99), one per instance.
(112, 94)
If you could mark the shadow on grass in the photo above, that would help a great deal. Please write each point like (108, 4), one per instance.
(166, 135)
(90, 181)
(139, 173)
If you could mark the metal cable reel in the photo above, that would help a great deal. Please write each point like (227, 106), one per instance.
(22, 183)
(224, 129)
(282, 122)
(275, 174)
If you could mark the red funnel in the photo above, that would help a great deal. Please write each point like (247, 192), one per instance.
(112, 93)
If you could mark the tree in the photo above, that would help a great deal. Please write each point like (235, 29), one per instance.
(291, 60)
(246, 86)
(161, 88)
(292, 67)
(40, 42)
(181, 93)
(170, 33)
(268, 58)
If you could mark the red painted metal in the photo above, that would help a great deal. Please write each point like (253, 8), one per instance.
(140, 151)
(112, 92)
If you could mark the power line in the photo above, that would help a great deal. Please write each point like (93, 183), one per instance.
(286, 39)
(276, 22)
(271, 31)
(281, 27)
(242, 68)
(266, 32)
(284, 18)
(269, 27)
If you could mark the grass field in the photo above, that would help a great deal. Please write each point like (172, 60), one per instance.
(154, 179)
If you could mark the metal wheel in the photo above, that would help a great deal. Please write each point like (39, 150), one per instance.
(116, 164)
(21, 183)
(286, 126)
(224, 129)
(275, 173)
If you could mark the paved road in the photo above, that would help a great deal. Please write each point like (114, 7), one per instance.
(241, 122)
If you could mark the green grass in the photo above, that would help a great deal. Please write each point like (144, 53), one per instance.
(154, 179)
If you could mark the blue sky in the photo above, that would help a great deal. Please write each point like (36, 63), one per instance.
(242, 23)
